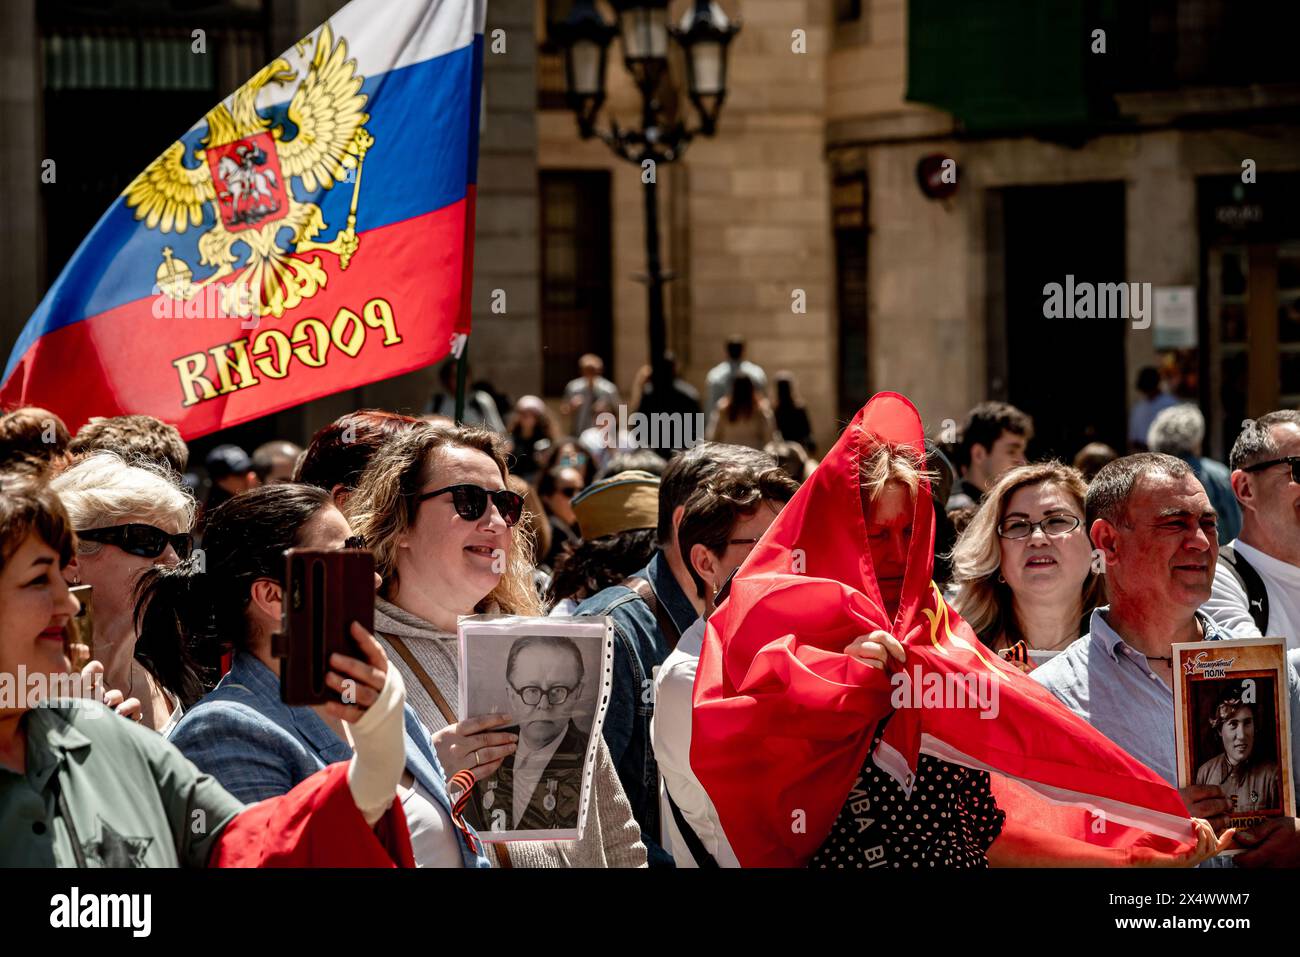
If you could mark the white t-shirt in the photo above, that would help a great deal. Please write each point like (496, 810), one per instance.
(670, 736)
(433, 835)
(1228, 602)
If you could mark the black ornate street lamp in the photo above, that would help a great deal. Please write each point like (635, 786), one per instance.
(703, 35)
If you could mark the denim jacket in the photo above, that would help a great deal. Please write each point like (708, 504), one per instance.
(639, 648)
(258, 747)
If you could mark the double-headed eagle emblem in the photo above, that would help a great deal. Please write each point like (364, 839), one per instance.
(244, 168)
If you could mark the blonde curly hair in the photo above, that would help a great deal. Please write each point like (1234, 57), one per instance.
(383, 509)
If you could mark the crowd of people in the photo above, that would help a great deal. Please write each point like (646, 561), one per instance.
(1082, 576)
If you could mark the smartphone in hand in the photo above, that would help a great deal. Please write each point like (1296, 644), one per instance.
(325, 591)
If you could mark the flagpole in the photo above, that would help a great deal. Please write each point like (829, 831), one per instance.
(462, 370)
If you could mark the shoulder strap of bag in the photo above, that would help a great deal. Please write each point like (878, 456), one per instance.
(423, 677)
(703, 859)
(1256, 593)
(647, 595)
(440, 702)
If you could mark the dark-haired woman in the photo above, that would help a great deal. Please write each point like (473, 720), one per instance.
(742, 417)
(791, 414)
(557, 490)
(339, 452)
(81, 788)
(242, 733)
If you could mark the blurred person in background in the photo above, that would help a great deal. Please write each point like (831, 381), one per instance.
(791, 414)
(720, 376)
(791, 457)
(557, 489)
(742, 417)
(532, 430)
(677, 405)
(1179, 431)
(32, 433)
(480, 407)
(241, 732)
(582, 393)
(129, 518)
(616, 518)
(340, 452)
(1090, 459)
(274, 462)
(134, 437)
(1153, 401)
(1023, 566)
(993, 439)
(566, 452)
(230, 471)
(637, 460)
(608, 435)
(448, 541)
(537, 529)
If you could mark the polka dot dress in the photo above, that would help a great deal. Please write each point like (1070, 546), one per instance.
(949, 821)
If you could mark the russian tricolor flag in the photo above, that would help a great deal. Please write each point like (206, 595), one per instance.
(312, 233)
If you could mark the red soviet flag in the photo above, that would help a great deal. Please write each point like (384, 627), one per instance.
(783, 719)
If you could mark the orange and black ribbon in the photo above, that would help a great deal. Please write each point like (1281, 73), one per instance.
(465, 781)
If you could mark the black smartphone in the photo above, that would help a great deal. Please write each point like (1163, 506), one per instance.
(325, 591)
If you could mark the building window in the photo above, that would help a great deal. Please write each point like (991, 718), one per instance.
(577, 292)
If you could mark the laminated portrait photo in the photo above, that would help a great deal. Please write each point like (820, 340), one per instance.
(552, 676)
(1234, 724)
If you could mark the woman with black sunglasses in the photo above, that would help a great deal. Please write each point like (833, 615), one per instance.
(449, 540)
(128, 518)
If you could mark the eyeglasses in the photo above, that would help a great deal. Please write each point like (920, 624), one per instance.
(1291, 460)
(471, 501)
(742, 541)
(569, 492)
(144, 541)
(1053, 526)
(532, 694)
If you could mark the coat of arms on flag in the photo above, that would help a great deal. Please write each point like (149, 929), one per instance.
(242, 168)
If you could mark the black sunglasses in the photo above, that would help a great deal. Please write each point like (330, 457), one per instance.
(1291, 460)
(142, 540)
(471, 501)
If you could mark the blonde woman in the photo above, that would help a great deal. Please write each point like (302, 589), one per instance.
(435, 507)
(1023, 566)
(128, 518)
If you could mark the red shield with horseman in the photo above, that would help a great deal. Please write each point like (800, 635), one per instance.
(250, 188)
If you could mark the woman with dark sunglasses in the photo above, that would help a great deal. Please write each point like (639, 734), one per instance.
(449, 540)
(128, 518)
(557, 490)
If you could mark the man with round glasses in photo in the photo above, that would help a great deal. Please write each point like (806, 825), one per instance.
(538, 787)
(1257, 582)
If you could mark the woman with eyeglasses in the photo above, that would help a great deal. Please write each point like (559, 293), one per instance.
(445, 529)
(1023, 566)
(241, 733)
(128, 518)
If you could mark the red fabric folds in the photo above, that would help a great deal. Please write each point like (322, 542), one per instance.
(317, 824)
(783, 719)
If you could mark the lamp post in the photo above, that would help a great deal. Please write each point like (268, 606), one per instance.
(643, 26)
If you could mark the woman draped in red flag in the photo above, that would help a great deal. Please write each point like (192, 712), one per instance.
(845, 716)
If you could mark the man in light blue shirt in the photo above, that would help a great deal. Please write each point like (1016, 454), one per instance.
(1152, 524)
(720, 376)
